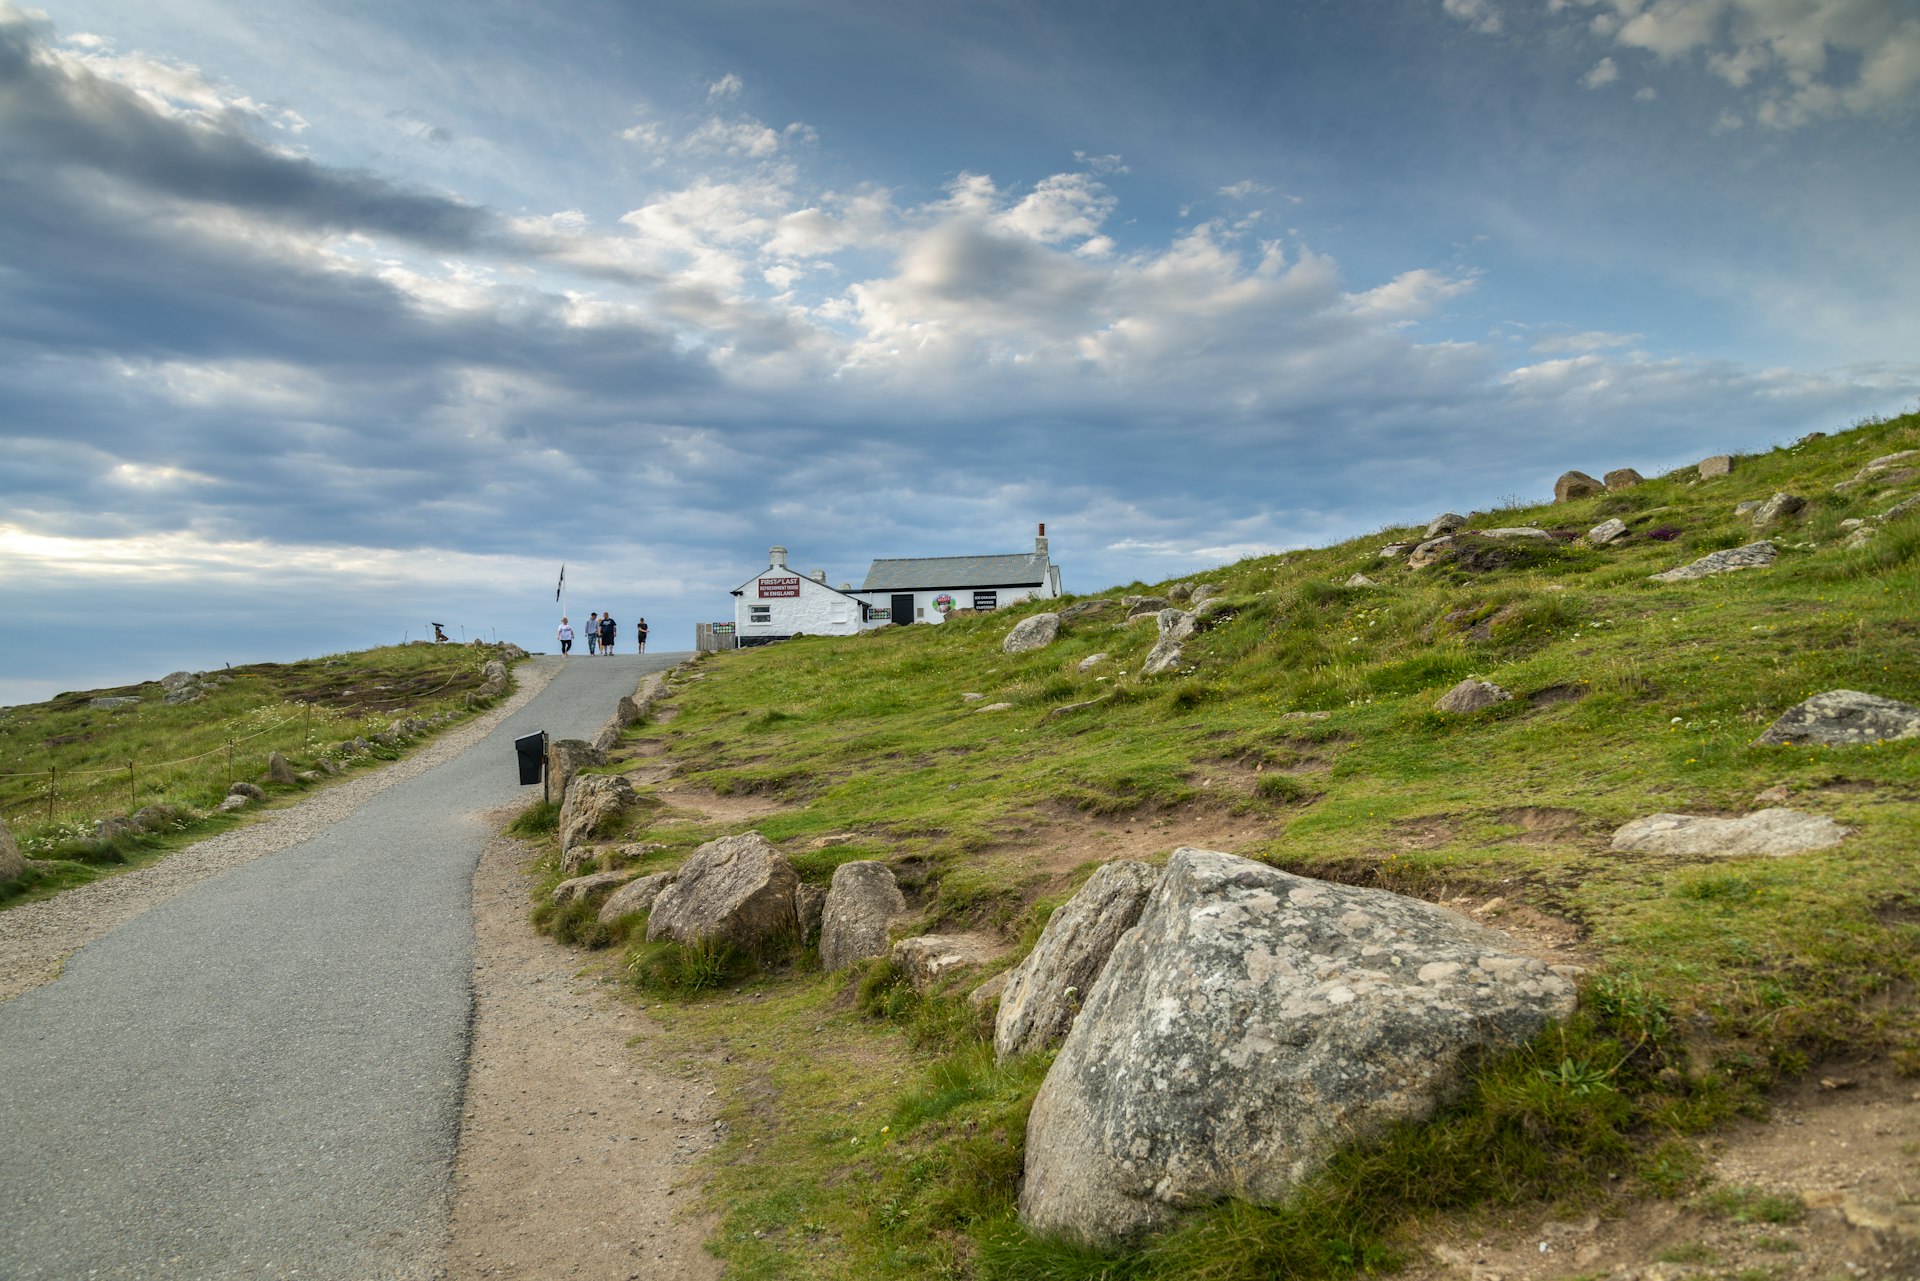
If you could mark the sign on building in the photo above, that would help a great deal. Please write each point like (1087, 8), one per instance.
(774, 588)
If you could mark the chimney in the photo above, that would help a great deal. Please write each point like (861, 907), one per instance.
(778, 556)
(1040, 542)
(818, 575)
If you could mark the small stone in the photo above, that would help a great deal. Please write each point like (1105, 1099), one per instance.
(1607, 531)
(1361, 580)
(1472, 695)
(1092, 661)
(994, 707)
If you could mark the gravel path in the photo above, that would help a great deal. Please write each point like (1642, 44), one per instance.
(254, 1067)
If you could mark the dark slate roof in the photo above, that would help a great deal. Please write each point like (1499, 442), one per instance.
(922, 573)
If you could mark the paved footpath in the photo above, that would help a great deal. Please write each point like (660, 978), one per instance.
(261, 1076)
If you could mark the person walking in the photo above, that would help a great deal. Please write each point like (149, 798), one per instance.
(593, 631)
(606, 633)
(566, 635)
(640, 630)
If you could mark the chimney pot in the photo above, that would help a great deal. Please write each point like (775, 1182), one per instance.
(777, 556)
(818, 576)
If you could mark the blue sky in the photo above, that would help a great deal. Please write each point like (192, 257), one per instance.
(319, 323)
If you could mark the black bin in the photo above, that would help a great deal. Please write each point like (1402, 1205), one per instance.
(532, 751)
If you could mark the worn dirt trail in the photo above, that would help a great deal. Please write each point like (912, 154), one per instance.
(577, 1146)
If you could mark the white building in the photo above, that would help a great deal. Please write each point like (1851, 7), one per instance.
(926, 589)
(778, 603)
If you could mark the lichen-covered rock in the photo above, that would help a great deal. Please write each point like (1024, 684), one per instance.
(1044, 992)
(567, 757)
(1175, 624)
(1753, 556)
(637, 895)
(930, 958)
(1139, 606)
(493, 679)
(1471, 695)
(1202, 593)
(1776, 508)
(1607, 531)
(278, 771)
(157, 817)
(809, 907)
(738, 889)
(1249, 1024)
(863, 900)
(1037, 632)
(1718, 465)
(1092, 661)
(581, 887)
(233, 801)
(1165, 656)
(1622, 478)
(1445, 523)
(1842, 717)
(1080, 609)
(110, 702)
(1516, 531)
(1773, 832)
(1431, 552)
(1576, 484)
(594, 805)
(1179, 592)
(1360, 580)
(252, 791)
(12, 862)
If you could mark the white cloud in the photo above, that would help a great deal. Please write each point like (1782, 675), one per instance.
(727, 86)
(1108, 164)
(1244, 188)
(1590, 340)
(1478, 14)
(1604, 73)
(1645, 93)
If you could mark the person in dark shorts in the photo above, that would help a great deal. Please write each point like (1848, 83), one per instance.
(606, 633)
(640, 630)
(566, 635)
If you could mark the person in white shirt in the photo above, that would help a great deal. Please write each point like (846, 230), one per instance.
(566, 636)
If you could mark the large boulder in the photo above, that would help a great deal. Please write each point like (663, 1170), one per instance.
(278, 771)
(12, 861)
(493, 678)
(1472, 695)
(1841, 717)
(1576, 484)
(580, 887)
(112, 701)
(863, 900)
(1622, 478)
(252, 791)
(738, 890)
(1143, 606)
(1445, 523)
(1773, 832)
(1753, 556)
(1175, 624)
(593, 806)
(1202, 593)
(1037, 632)
(1718, 465)
(176, 680)
(1165, 656)
(567, 757)
(1043, 993)
(1251, 1023)
(637, 895)
(1431, 552)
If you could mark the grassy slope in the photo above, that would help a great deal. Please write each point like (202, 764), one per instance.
(1726, 972)
(180, 752)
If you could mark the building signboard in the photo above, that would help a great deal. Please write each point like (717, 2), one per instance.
(773, 588)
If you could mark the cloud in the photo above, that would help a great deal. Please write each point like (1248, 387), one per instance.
(727, 86)
(1244, 188)
(1109, 164)
(1796, 63)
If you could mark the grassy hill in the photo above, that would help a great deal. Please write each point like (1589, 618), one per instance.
(68, 763)
(872, 1136)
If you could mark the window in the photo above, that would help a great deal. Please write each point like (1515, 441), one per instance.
(986, 600)
(759, 613)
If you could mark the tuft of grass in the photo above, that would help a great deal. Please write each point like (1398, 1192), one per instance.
(685, 969)
(1751, 1205)
(542, 818)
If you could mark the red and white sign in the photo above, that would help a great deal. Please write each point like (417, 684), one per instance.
(771, 588)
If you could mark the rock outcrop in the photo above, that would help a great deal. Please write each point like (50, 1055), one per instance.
(1249, 1024)
(1576, 484)
(1037, 632)
(1753, 556)
(567, 757)
(278, 771)
(1622, 478)
(1472, 695)
(581, 887)
(738, 890)
(637, 895)
(594, 805)
(1445, 523)
(1044, 992)
(1718, 465)
(1843, 717)
(1773, 832)
(1607, 531)
(1778, 507)
(862, 901)
(929, 958)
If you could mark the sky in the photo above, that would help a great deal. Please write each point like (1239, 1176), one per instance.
(320, 323)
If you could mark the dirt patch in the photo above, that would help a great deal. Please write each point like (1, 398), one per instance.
(1827, 1187)
(698, 805)
(1054, 847)
(577, 1151)
(1428, 832)
(1547, 825)
(1553, 694)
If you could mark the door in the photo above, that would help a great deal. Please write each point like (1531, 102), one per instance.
(903, 608)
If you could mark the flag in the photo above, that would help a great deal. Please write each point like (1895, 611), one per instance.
(563, 583)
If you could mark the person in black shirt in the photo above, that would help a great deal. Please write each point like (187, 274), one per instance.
(606, 633)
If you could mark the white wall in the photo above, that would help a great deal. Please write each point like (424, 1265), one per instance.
(924, 612)
(817, 611)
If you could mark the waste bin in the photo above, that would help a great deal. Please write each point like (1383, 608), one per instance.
(532, 751)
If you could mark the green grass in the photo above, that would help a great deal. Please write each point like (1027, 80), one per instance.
(65, 765)
(1711, 980)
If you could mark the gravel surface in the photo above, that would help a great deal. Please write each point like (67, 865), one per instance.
(254, 1067)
